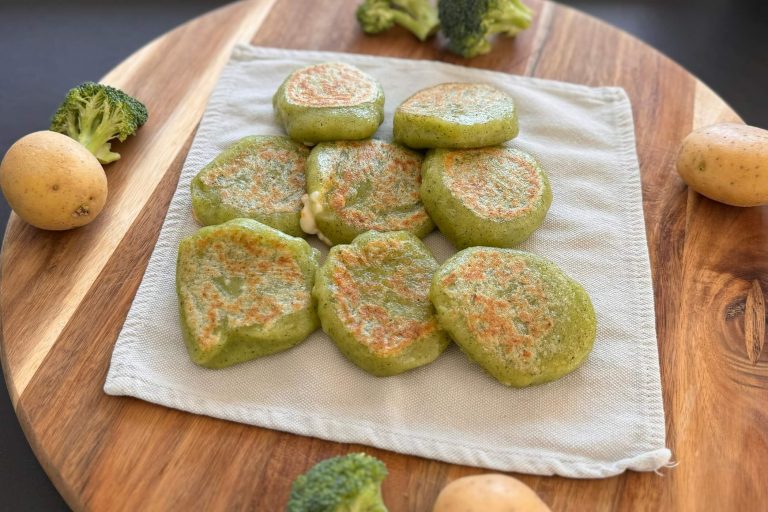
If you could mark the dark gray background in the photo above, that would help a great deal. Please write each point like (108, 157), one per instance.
(46, 47)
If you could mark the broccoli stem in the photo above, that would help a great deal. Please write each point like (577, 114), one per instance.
(508, 28)
(425, 21)
(522, 7)
(96, 129)
(478, 47)
(369, 500)
(420, 29)
(509, 21)
(99, 147)
(96, 142)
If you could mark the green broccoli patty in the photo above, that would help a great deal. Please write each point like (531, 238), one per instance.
(457, 116)
(357, 186)
(373, 302)
(329, 101)
(494, 196)
(258, 177)
(244, 292)
(516, 314)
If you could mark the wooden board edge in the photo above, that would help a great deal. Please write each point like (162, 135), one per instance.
(710, 108)
(13, 391)
(17, 378)
(68, 494)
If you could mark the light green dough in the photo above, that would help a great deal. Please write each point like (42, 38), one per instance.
(516, 314)
(244, 292)
(257, 177)
(495, 196)
(373, 302)
(329, 101)
(357, 186)
(456, 115)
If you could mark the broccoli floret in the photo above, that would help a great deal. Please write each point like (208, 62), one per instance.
(468, 23)
(418, 16)
(93, 114)
(350, 483)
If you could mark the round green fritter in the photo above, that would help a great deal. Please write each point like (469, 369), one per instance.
(456, 115)
(373, 302)
(258, 177)
(515, 314)
(494, 196)
(357, 186)
(329, 101)
(244, 292)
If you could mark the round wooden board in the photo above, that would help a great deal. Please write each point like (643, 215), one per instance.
(64, 296)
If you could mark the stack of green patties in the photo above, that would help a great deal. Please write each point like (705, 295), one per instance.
(248, 286)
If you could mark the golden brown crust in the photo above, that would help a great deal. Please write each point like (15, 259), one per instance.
(461, 103)
(391, 173)
(496, 182)
(366, 283)
(330, 84)
(240, 184)
(234, 277)
(506, 304)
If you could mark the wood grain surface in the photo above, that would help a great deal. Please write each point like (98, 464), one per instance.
(64, 296)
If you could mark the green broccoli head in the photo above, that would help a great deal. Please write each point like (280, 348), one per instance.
(375, 16)
(468, 23)
(418, 16)
(350, 483)
(93, 114)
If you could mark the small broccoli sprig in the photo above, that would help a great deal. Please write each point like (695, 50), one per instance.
(418, 16)
(350, 483)
(468, 23)
(93, 114)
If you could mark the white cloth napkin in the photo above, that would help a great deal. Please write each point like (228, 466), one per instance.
(604, 418)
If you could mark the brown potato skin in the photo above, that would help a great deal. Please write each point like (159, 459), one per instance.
(727, 162)
(52, 181)
(488, 493)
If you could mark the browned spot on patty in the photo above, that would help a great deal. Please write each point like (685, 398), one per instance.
(266, 176)
(233, 279)
(495, 182)
(504, 303)
(373, 185)
(331, 84)
(461, 103)
(380, 291)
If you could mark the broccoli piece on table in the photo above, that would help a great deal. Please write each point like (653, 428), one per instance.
(350, 483)
(468, 23)
(418, 16)
(93, 114)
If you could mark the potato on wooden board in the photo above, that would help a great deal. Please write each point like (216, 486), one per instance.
(727, 162)
(488, 493)
(52, 181)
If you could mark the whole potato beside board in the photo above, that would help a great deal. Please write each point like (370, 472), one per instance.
(488, 493)
(727, 162)
(53, 182)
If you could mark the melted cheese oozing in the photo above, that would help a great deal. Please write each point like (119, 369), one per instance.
(312, 207)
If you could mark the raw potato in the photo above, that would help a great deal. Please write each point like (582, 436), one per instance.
(488, 493)
(53, 182)
(727, 162)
